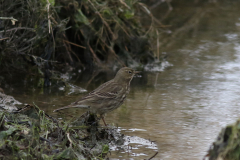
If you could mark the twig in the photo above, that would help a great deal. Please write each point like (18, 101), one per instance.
(122, 27)
(67, 46)
(153, 156)
(156, 4)
(124, 4)
(113, 52)
(54, 20)
(74, 44)
(17, 29)
(11, 18)
(95, 73)
(4, 38)
(104, 22)
(92, 147)
(48, 15)
(94, 55)
(50, 27)
(145, 9)
(156, 80)
(68, 136)
(157, 44)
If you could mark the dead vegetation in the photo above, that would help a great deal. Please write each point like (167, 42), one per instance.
(40, 38)
(88, 33)
(29, 133)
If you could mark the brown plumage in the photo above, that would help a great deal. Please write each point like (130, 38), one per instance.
(108, 96)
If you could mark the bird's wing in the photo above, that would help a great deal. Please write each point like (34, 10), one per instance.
(101, 87)
(109, 89)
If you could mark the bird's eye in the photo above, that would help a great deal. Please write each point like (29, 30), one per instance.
(130, 72)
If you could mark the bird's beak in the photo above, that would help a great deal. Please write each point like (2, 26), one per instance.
(136, 72)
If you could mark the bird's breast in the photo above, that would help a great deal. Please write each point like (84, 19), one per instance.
(127, 89)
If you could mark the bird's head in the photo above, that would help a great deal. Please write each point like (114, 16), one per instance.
(125, 74)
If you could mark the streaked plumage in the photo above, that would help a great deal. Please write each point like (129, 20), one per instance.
(108, 96)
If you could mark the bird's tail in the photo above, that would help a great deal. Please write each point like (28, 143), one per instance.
(72, 106)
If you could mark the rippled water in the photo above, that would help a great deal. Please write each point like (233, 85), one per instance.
(177, 112)
(184, 108)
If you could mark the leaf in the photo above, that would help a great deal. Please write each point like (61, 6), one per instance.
(66, 154)
(145, 8)
(105, 148)
(5, 134)
(129, 14)
(80, 17)
(52, 2)
(107, 12)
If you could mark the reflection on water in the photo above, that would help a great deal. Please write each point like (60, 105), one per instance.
(177, 112)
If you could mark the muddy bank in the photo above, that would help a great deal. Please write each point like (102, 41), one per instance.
(29, 133)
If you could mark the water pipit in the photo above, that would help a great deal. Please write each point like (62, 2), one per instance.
(108, 96)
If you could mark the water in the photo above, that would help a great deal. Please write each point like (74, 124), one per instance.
(177, 112)
(184, 108)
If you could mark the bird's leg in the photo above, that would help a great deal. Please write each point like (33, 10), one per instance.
(104, 121)
(102, 116)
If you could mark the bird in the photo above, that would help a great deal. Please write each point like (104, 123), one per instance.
(108, 96)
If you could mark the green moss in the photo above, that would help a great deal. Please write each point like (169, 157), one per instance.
(227, 145)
